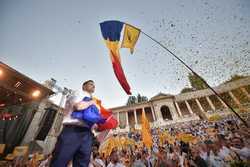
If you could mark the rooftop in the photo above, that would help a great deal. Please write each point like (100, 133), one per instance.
(17, 88)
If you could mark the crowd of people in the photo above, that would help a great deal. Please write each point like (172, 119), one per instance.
(217, 144)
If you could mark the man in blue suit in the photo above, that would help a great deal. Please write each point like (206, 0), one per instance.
(75, 141)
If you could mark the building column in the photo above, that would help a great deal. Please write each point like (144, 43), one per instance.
(203, 112)
(135, 115)
(222, 102)
(127, 122)
(245, 92)
(153, 114)
(189, 108)
(160, 116)
(210, 103)
(234, 98)
(178, 109)
(199, 105)
(118, 119)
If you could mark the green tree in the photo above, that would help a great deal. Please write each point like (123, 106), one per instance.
(235, 77)
(136, 99)
(131, 100)
(196, 82)
(185, 90)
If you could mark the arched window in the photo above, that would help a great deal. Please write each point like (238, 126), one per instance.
(166, 114)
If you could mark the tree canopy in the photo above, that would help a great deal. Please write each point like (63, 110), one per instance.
(136, 99)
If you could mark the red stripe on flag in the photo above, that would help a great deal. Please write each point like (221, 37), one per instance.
(120, 74)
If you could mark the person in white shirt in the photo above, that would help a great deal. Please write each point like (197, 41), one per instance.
(97, 159)
(115, 160)
(243, 152)
(75, 140)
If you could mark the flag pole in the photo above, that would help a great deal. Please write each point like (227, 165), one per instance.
(203, 80)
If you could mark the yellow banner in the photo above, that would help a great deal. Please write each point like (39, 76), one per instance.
(2, 147)
(115, 142)
(185, 137)
(21, 150)
(215, 117)
(130, 37)
(145, 130)
(38, 157)
(10, 157)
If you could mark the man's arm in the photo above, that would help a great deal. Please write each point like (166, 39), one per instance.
(73, 104)
(83, 104)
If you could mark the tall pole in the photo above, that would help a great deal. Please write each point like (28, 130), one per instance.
(203, 80)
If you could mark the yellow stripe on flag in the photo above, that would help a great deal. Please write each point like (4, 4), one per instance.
(130, 37)
(113, 47)
(145, 130)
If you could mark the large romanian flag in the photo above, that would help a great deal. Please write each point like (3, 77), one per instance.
(111, 32)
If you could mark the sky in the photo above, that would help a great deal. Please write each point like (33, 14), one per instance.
(61, 39)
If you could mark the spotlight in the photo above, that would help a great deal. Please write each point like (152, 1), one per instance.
(36, 93)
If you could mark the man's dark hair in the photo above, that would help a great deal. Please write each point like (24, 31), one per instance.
(138, 156)
(86, 82)
(96, 154)
(113, 152)
(207, 142)
(95, 142)
(221, 137)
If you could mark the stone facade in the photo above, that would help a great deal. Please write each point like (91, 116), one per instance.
(164, 109)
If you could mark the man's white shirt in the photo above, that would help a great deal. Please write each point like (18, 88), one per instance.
(69, 108)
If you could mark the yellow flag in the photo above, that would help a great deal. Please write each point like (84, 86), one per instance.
(10, 157)
(40, 157)
(21, 150)
(130, 37)
(214, 117)
(145, 130)
(185, 137)
(2, 147)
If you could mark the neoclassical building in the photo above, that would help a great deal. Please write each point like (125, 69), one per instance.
(165, 109)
